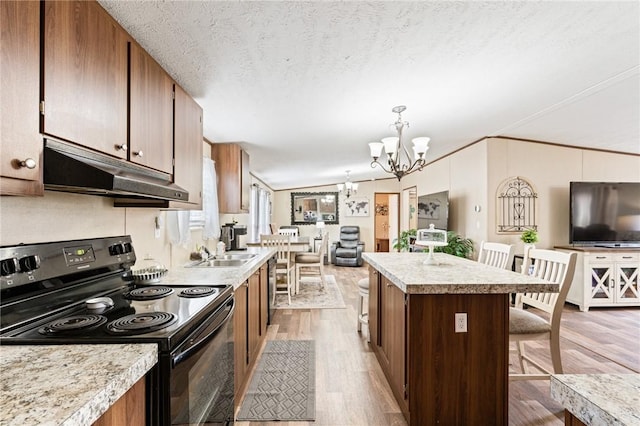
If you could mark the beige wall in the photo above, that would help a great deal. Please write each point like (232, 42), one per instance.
(474, 174)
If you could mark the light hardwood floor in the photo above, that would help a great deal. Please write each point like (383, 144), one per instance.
(351, 389)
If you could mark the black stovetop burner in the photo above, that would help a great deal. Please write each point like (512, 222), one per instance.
(148, 293)
(77, 324)
(141, 323)
(195, 292)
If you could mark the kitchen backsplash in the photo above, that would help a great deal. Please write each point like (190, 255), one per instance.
(63, 216)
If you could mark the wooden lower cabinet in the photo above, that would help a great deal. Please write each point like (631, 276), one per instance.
(393, 339)
(249, 326)
(240, 337)
(264, 300)
(128, 410)
(253, 315)
(439, 376)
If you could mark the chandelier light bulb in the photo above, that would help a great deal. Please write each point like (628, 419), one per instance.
(376, 149)
(390, 145)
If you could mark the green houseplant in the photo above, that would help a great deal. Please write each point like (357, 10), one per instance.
(404, 242)
(530, 236)
(457, 245)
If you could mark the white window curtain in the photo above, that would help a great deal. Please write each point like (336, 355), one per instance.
(260, 209)
(211, 226)
(181, 222)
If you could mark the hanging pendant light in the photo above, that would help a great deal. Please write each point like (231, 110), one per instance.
(399, 161)
(348, 187)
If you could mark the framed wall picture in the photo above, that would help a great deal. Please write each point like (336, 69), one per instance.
(357, 206)
(307, 208)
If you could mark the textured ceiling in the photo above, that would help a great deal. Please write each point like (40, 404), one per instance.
(304, 86)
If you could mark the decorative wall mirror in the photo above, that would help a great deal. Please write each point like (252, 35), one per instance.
(409, 208)
(307, 208)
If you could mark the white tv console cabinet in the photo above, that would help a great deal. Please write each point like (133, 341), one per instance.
(605, 277)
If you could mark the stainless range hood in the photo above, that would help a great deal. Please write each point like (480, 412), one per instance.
(69, 168)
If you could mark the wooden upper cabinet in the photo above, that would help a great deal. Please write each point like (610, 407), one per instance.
(21, 159)
(151, 114)
(234, 180)
(85, 76)
(188, 146)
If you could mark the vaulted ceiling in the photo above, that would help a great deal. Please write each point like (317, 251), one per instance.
(304, 86)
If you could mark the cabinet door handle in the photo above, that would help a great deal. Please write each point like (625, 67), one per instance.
(122, 147)
(627, 257)
(29, 163)
(601, 257)
(139, 154)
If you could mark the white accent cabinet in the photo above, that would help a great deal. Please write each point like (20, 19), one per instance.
(605, 277)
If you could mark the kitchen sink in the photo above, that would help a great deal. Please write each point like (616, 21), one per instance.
(238, 256)
(226, 260)
(222, 262)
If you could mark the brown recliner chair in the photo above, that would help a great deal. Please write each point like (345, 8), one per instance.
(347, 251)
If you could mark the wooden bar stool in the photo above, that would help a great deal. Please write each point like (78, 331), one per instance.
(363, 291)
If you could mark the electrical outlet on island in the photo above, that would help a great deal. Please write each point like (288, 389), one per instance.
(461, 322)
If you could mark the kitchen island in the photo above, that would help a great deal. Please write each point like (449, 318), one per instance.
(441, 334)
(73, 385)
(598, 399)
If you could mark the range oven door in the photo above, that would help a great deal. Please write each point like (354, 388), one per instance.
(201, 374)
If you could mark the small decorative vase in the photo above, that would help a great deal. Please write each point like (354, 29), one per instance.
(527, 247)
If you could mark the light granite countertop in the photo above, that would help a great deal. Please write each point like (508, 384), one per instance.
(599, 399)
(232, 275)
(67, 385)
(452, 275)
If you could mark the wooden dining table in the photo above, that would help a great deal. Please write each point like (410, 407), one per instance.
(298, 244)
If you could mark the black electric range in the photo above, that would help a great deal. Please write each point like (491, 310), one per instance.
(83, 292)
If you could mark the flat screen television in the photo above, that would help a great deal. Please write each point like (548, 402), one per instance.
(605, 214)
(433, 208)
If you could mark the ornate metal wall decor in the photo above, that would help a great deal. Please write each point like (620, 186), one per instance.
(516, 206)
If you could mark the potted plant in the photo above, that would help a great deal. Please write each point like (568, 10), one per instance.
(403, 243)
(457, 245)
(530, 236)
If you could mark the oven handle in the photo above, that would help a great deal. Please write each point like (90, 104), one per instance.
(201, 336)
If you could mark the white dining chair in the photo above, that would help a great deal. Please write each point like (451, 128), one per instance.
(525, 325)
(496, 254)
(284, 262)
(309, 263)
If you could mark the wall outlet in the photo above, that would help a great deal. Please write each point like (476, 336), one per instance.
(461, 322)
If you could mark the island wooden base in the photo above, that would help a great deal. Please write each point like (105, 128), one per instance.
(437, 375)
(571, 420)
(128, 410)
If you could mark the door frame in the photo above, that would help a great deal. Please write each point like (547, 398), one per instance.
(396, 208)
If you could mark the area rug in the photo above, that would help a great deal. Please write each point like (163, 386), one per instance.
(283, 387)
(311, 296)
